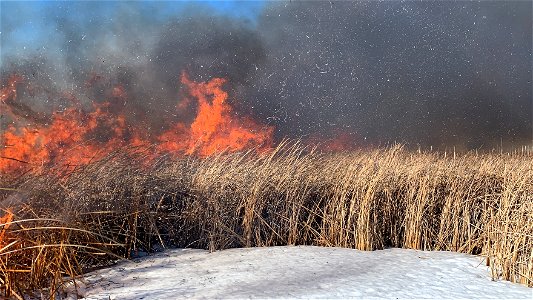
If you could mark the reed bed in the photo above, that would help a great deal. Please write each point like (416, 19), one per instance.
(64, 220)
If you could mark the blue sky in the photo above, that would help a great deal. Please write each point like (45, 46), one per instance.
(30, 25)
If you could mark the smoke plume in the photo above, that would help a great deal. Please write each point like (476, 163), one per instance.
(430, 74)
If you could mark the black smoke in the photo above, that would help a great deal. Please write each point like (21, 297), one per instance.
(430, 74)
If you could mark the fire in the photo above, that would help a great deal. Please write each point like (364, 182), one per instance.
(214, 128)
(76, 137)
(72, 137)
(15, 110)
(5, 222)
(335, 141)
(10, 90)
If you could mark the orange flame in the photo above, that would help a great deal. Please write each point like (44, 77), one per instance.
(5, 222)
(72, 137)
(10, 90)
(336, 141)
(215, 128)
(75, 137)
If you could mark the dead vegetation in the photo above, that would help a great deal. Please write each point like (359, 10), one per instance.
(59, 222)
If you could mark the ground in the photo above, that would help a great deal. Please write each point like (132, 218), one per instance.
(299, 272)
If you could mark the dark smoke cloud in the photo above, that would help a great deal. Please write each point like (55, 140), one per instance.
(440, 74)
(417, 72)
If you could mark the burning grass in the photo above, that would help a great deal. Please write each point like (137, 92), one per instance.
(77, 135)
(65, 221)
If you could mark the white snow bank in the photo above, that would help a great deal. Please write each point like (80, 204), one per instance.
(301, 272)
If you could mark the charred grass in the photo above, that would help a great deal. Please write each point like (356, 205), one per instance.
(61, 222)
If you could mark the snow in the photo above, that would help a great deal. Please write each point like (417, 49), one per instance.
(300, 272)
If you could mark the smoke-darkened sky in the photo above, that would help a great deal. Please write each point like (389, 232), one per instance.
(425, 73)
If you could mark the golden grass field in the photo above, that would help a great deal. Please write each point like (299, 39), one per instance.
(65, 221)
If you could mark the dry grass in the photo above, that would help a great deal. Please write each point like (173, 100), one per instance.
(66, 221)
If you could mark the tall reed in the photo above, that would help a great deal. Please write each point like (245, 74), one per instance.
(68, 220)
